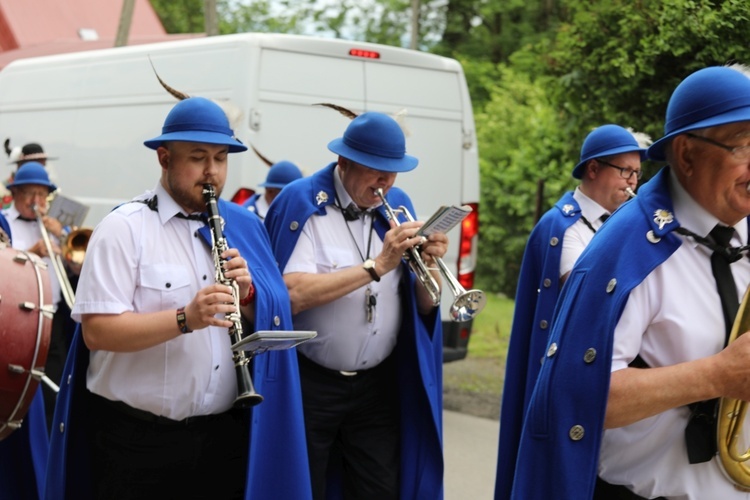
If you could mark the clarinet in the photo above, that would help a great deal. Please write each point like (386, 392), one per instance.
(246, 395)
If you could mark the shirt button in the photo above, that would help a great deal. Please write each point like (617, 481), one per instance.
(168, 285)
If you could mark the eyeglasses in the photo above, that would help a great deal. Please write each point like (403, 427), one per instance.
(625, 173)
(737, 152)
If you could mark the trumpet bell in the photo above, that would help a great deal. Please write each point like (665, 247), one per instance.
(75, 245)
(733, 440)
(467, 305)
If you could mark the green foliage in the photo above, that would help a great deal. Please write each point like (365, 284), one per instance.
(180, 16)
(522, 141)
(619, 61)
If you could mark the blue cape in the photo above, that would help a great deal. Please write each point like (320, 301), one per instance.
(419, 351)
(278, 453)
(250, 202)
(570, 392)
(23, 454)
(538, 289)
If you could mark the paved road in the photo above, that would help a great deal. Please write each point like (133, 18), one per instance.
(470, 451)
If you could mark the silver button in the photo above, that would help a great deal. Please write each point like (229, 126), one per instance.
(576, 432)
(294, 225)
(276, 320)
(611, 285)
(590, 355)
(62, 427)
(547, 282)
(650, 236)
(551, 350)
(554, 241)
(70, 378)
(543, 324)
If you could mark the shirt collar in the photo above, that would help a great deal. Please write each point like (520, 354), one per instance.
(168, 208)
(694, 217)
(589, 208)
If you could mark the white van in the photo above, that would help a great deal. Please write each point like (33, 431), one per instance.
(93, 110)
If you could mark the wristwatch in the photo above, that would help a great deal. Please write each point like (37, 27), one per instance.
(369, 266)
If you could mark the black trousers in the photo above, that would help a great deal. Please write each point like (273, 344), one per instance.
(352, 426)
(136, 455)
(61, 336)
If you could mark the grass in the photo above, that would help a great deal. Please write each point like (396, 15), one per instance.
(491, 329)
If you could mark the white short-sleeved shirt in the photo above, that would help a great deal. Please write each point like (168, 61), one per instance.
(578, 235)
(673, 316)
(143, 261)
(346, 340)
(25, 234)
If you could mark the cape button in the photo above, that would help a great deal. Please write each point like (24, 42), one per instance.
(294, 225)
(543, 324)
(547, 282)
(552, 350)
(611, 285)
(576, 432)
(554, 241)
(590, 355)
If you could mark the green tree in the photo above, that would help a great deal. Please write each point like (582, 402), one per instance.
(522, 140)
(180, 16)
(619, 61)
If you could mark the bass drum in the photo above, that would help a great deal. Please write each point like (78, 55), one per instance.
(25, 326)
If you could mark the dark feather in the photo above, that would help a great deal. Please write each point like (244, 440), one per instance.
(263, 158)
(7, 146)
(346, 112)
(176, 93)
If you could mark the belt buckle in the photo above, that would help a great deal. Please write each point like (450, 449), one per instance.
(347, 374)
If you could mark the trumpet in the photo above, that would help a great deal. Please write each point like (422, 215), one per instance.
(465, 305)
(731, 416)
(57, 263)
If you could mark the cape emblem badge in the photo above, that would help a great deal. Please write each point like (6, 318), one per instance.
(663, 217)
(567, 209)
(321, 197)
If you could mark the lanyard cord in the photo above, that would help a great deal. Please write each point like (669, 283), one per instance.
(369, 239)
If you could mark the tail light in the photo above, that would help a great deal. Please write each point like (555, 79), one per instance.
(367, 54)
(467, 250)
(242, 195)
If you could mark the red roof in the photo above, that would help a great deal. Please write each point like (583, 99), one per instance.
(41, 27)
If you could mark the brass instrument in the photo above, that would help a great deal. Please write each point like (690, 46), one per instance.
(731, 416)
(246, 395)
(57, 263)
(75, 244)
(630, 192)
(466, 305)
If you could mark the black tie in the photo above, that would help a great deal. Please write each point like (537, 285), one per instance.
(25, 219)
(604, 218)
(199, 217)
(352, 212)
(700, 433)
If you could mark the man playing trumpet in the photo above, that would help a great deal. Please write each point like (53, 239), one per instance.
(372, 378)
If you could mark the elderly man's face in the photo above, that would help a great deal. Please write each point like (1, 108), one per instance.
(186, 166)
(361, 182)
(27, 196)
(714, 176)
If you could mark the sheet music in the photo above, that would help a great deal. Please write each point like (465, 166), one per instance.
(444, 219)
(68, 211)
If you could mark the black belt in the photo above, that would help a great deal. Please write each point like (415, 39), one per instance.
(342, 374)
(147, 416)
